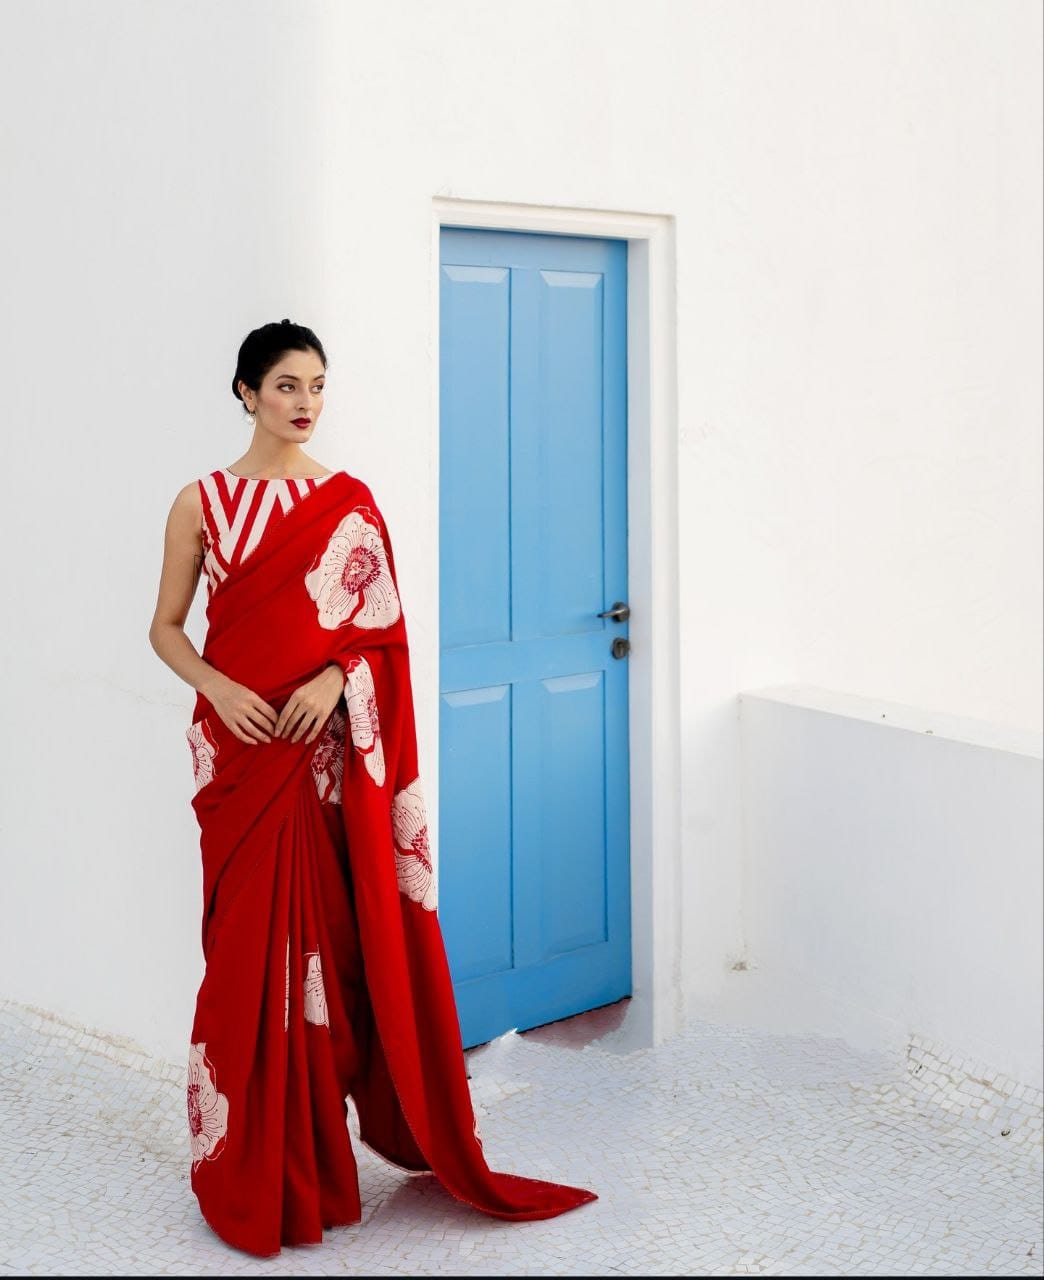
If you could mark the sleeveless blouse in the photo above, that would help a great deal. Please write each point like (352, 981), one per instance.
(237, 510)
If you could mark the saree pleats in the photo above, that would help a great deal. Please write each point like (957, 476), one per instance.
(326, 975)
(290, 1055)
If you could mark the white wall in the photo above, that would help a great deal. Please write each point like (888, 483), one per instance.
(892, 875)
(857, 195)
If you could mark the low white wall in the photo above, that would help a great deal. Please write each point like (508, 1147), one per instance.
(892, 873)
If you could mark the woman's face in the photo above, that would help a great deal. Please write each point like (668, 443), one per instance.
(290, 400)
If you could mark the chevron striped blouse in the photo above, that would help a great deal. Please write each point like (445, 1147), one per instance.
(236, 512)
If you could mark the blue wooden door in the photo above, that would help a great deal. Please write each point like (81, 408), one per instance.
(534, 866)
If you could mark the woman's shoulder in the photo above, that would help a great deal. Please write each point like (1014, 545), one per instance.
(192, 493)
(360, 490)
(188, 497)
(186, 512)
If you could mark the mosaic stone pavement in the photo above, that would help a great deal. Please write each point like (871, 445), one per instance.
(726, 1151)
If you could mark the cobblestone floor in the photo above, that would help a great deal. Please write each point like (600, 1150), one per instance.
(724, 1152)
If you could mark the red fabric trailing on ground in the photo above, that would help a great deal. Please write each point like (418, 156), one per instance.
(326, 973)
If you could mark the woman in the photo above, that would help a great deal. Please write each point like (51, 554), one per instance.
(326, 974)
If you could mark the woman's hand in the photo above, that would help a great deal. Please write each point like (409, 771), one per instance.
(242, 711)
(308, 707)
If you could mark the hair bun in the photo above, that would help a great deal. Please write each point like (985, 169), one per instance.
(262, 347)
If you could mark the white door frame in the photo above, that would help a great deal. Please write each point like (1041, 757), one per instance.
(654, 692)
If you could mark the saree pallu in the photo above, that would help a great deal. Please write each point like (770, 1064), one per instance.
(326, 974)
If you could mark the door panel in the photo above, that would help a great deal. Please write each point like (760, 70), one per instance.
(533, 804)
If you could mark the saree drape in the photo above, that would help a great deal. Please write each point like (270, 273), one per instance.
(325, 970)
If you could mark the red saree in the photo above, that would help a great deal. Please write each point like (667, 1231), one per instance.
(326, 974)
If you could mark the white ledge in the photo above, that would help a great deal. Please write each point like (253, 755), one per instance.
(897, 715)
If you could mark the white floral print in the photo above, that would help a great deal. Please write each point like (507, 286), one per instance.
(328, 758)
(351, 581)
(207, 1109)
(314, 992)
(413, 869)
(204, 749)
(361, 697)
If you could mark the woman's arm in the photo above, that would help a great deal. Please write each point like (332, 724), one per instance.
(179, 577)
(244, 713)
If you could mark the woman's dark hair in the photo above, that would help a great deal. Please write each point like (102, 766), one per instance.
(263, 347)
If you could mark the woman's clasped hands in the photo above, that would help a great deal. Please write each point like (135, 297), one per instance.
(253, 720)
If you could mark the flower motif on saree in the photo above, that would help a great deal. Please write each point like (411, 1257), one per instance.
(328, 758)
(361, 697)
(204, 749)
(351, 581)
(314, 992)
(207, 1109)
(413, 868)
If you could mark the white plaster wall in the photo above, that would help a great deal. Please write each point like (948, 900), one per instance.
(892, 875)
(857, 196)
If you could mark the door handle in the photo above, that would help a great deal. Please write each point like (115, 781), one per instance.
(620, 612)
